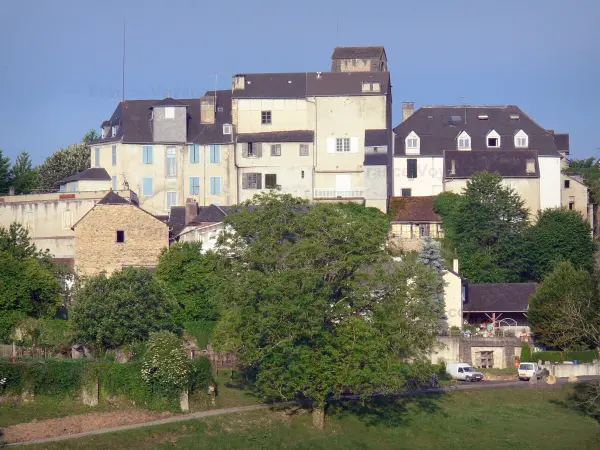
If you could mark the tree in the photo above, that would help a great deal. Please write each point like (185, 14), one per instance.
(91, 135)
(109, 312)
(63, 163)
(431, 257)
(565, 311)
(16, 242)
(525, 352)
(317, 307)
(559, 235)
(4, 174)
(193, 278)
(23, 176)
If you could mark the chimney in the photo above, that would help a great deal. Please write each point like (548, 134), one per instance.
(408, 108)
(207, 110)
(455, 265)
(238, 82)
(11, 190)
(191, 210)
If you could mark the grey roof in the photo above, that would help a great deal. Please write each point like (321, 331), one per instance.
(374, 138)
(209, 214)
(438, 128)
(176, 220)
(376, 159)
(508, 163)
(112, 198)
(278, 136)
(562, 142)
(296, 85)
(168, 102)
(499, 297)
(94, 173)
(134, 118)
(357, 52)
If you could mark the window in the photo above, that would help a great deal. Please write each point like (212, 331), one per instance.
(171, 199)
(147, 154)
(303, 149)
(67, 219)
(464, 141)
(493, 139)
(411, 168)
(120, 236)
(521, 140)
(114, 131)
(169, 112)
(371, 86)
(571, 205)
(97, 156)
(530, 166)
(270, 180)
(147, 187)
(423, 230)
(252, 150)
(194, 185)
(73, 186)
(265, 117)
(215, 185)
(406, 192)
(453, 167)
(275, 150)
(215, 154)
(342, 144)
(412, 144)
(194, 154)
(226, 128)
(567, 184)
(103, 133)
(251, 181)
(171, 162)
(302, 174)
(114, 155)
(114, 182)
(62, 188)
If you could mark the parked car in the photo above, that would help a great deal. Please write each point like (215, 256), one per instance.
(529, 370)
(463, 372)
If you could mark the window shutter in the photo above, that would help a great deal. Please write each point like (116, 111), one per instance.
(259, 150)
(354, 145)
(217, 185)
(244, 149)
(259, 181)
(330, 145)
(245, 178)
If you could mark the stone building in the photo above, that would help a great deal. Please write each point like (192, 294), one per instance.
(117, 233)
(576, 196)
(412, 220)
(359, 59)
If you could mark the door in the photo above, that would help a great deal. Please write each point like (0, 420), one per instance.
(343, 184)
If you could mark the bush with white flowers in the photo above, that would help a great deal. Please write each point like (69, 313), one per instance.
(165, 363)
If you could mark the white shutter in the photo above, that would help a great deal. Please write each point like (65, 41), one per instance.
(354, 145)
(330, 145)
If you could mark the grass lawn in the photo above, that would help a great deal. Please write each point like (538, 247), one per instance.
(490, 419)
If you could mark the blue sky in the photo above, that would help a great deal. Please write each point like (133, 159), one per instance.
(60, 61)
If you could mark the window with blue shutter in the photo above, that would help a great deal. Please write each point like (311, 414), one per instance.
(147, 154)
(63, 188)
(97, 156)
(194, 154)
(215, 154)
(114, 155)
(114, 183)
(147, 187)
(194, 185)
(215, 185)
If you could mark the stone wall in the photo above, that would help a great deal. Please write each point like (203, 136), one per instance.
(464, 350)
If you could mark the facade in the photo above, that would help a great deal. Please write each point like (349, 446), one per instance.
(203, 224)
(576, 196)
(438, 148)
(412, 220)
(117, 233)
(170, 150)
(454, 295)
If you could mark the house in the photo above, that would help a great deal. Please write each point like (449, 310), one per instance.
(412, 220)
(92, 179)
(438, 148)
(171, 149)
(117, 233)
(200, 224)
(576, 196)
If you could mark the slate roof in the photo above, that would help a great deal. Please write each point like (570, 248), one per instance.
(168, 102)
(439, 126)
(413, 209)
(562, 142)
(374, 138)
(133, 116)
(176, 220)
(501, 297)
(376, 159)
(209, 214)
(94, 173)
(508, 163)
(278, 136)
(357, 52)
(299, 85)
(112, 198)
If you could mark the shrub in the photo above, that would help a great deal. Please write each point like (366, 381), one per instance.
(586, 398)
(8, 321)
(200, 374)
(558, 357)
(202, 331)
(525, 352)
(166, 366)
(50, 334)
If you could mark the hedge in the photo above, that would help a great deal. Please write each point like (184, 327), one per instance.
(558, 357)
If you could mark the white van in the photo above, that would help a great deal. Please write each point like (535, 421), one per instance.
(529, 370)
(463, 372)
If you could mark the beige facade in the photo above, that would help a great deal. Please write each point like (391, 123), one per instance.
(454, 297)
(100, 246)
(575, 196)
(49, 217)
(408, 237)
(214, 182)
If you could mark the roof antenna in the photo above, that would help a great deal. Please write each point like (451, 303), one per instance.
(216, 87)
(464, 101)
(123, 80)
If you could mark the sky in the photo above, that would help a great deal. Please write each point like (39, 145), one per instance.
(61, 60)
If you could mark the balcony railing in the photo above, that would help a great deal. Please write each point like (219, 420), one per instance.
(339, 193)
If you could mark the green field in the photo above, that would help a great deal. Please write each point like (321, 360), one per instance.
(487, 419)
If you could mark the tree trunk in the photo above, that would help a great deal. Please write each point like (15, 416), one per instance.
(318, 417)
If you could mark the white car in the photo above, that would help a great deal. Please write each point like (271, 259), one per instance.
(529, 370)
(463, 372)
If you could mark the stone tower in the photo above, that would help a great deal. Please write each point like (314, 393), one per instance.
(359, 59)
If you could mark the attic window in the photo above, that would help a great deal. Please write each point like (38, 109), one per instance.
(464, 141)
(521, 140)
(530, 167)
(483, 117)
(219, 109)
(114, 131)
(120, 236)
(226, 128)
(514, 117)
(169, 112)
(412, 144)
(371, 86)
(493, 139)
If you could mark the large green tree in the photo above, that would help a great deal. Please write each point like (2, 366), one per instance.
(559, 235)
(317, 307)
(91, 135)
(565, 311)
(63, 163)
(430, 256)
(23, 176)
(126, 307)
(4, 174)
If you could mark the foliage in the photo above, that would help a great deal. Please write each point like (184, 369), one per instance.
(590, 173)
(320, 308)
(49, 377)
(431, 257)
(15, 240)
(166, 364)
(4, 173)
(8, 321)
(200, 374)
(23, 177)
(63, 163)
(484, 227)
(201, 331)
(525, 352)
(564, 308)
(50, 334)
(193, 278)
(586, 356)
(91, 135)
(559, 235)
(586, 398)
(109, 312)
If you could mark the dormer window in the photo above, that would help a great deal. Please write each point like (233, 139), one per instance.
(371, 86)
(413, 144)
(464, 141)
(226, 128)
(493, 139)
(103, 133)
(521, 140)
(114, 131)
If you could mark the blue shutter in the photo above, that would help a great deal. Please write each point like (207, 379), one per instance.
(97, 150)
(215, 154)
(215, 185)
(147, 157)
(147, 186)
(114, 183)
(114, 155)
